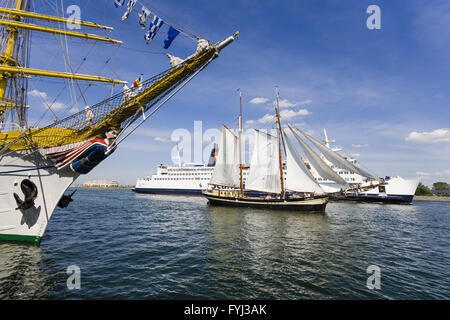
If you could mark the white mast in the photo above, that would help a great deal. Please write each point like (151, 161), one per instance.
(240, 141)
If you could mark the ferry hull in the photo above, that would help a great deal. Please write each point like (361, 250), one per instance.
(29, 224)
(167, 191)
(307, 205)
(390, 199)
(397, 191)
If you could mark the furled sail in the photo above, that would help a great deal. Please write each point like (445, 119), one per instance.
(264, 172)
(226, 172)
(336, 159)
(298, 177)
(321, 167)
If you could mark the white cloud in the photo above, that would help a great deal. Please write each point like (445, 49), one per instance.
(266, 118)
(285, 103)
(161, 139)
(360, 145)
(37, 93)
(439, 135)
(437, 173)
(289, 114)
(258, 100)
(284, 114)
(307, 101)
(58, 106)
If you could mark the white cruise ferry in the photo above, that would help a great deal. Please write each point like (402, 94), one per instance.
(184, 179)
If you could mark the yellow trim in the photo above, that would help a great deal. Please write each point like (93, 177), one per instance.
(34, 27)
(7, 137)
(52, 137)
(51, 18)
(36, 72)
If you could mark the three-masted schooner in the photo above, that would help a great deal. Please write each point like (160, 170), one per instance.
(37, 165)
(266, 186)
(359, 184)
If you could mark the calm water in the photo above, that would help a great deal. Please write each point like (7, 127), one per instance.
(131, 246)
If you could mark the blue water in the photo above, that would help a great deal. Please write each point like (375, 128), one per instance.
(134, 246)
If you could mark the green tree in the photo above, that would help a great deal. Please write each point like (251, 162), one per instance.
(439, 186)
(423, 190)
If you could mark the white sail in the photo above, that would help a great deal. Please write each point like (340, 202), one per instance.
(226, 171)
(298, 177)
(335, 158)
(321, 167)
(264, 172)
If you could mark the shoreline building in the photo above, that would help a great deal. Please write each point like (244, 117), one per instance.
(101, 183)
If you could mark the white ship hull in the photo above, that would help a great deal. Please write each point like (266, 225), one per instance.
(396, 190)
(30, 224)
(191, 187)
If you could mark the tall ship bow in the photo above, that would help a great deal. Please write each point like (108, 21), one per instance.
(38, 164)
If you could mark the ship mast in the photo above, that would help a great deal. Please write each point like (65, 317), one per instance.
(8, 58)
(277, 111)
(240, 141)
(11, 68)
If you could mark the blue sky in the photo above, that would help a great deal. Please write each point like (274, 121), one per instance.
(381, 94)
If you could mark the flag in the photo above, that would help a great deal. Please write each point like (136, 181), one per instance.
(170, 36)
(138, 82)
(143, 17)
(119, 3)
(130, 6)
(153, 29)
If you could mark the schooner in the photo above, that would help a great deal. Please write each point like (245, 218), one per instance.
(38, 164)
(297, 191)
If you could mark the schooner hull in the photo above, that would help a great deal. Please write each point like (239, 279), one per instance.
(317, 204)
(29, 224)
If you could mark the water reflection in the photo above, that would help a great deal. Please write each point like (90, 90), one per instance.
(274, 252)
(20, 277)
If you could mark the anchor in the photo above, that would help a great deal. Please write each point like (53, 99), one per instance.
(30, 191)
(65, 200)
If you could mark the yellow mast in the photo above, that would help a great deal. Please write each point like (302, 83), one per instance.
(54, 74)
(51, 18)
(8, 55)
(9, 67)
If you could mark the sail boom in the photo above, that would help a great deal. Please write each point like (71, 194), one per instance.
(51, 18)
(55, 74)
(34, 27)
